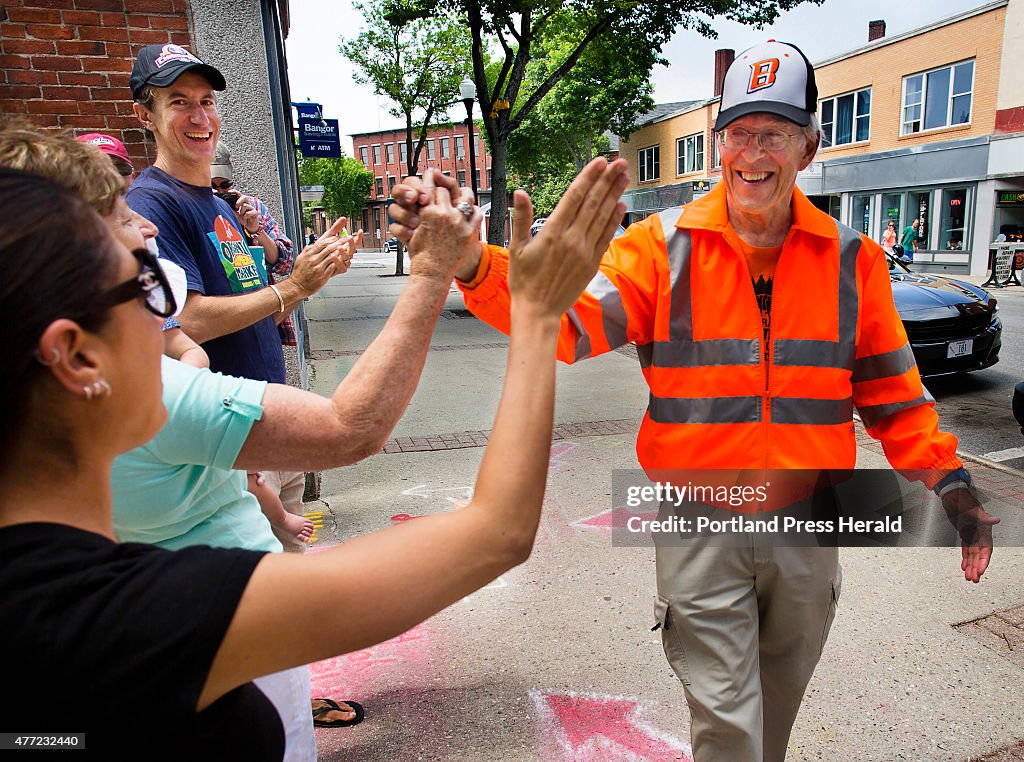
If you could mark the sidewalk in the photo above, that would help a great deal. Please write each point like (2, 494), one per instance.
(556, 660)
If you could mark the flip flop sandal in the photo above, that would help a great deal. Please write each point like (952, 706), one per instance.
(333, 706)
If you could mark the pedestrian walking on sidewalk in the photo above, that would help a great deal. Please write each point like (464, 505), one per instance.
(747, 372)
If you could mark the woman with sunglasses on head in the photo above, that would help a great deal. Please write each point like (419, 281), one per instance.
(154, 651)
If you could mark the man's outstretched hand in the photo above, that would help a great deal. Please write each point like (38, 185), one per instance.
(974, 525)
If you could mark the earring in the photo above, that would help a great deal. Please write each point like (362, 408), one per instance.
(54, 358)
(99, 390)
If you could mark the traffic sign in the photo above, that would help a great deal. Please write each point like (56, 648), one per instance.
(319, 138)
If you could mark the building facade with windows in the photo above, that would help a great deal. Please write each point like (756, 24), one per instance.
(385, 153)
(927, 124)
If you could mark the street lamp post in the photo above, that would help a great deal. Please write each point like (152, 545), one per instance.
(468, 92)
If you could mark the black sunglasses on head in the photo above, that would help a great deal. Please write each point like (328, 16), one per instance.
(150, 285)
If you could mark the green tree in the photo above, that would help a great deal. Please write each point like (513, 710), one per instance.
(346, 182)
(514, 29)
(417, 63)
(605, 92)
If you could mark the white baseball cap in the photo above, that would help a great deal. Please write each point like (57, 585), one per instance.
(774, 78)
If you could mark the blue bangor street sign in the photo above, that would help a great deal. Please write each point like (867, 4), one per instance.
(310, 110)
(319, 138)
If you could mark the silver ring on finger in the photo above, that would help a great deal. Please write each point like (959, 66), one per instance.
(466, 208)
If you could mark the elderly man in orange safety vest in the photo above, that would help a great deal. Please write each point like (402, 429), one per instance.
(760, 323)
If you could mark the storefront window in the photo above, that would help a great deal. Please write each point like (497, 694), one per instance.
(892, 205)
(919, 207)
(953, 232)
(860, 214)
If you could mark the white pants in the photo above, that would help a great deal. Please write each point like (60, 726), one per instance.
(289, 692)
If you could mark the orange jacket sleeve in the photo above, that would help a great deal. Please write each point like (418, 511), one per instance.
(887, 389)
(616, 308)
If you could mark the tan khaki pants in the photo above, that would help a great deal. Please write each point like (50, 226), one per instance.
(289, 485)
(743, 628)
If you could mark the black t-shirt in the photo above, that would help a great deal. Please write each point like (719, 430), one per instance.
(116, 640)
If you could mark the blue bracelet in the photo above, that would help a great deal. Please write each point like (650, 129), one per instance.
(960, 475)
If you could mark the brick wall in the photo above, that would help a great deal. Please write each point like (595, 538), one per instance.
(66, 63)
(664, 134)
(883, 69)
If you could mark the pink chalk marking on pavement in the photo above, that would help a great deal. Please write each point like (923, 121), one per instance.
(610, 518)
(593, 728)
(400, 517)
(371, 670)
(559, 450)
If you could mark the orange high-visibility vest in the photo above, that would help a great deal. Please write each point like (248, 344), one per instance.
(676, 287)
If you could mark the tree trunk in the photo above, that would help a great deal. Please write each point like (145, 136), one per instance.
(499, 192)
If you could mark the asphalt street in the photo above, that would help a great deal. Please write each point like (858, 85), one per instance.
(976, 406)
(556, 661)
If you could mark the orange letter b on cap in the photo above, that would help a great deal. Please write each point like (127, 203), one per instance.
(762, 74)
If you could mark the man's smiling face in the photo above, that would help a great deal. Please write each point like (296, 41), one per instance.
(760, 181)
(185, 121)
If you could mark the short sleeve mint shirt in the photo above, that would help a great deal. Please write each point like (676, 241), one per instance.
(180, 488)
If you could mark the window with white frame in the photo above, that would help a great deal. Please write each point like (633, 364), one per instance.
(846, 118)
(716, 157)
(389, 153)
(648, 162)
(430, 150)
(460, 147)
(403, 151)
(690, 154)
(444, 148)
(364, 154)
(938, 98)
(376, 155)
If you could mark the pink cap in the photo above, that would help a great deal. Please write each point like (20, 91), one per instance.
(107, 144)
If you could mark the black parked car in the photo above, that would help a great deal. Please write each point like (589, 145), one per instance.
(953, 326)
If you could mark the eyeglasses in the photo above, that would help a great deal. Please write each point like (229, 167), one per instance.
(150, 285)
(223, 185)
(737, 138)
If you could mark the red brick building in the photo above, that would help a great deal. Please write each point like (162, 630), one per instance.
(384, 153)
(66, 63)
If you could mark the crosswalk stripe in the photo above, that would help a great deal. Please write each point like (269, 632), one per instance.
(1001, 455)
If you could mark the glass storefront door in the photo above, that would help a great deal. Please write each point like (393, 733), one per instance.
(860, 215)
(953, 223)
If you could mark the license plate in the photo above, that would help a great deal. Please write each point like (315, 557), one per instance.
(960, 348)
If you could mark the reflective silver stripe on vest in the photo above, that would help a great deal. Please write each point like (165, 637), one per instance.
(885, 365)
(671, 354)
(704, 409)
(613, 312)
(582, 350)
(831, 354)
(872, 415)
(681, 351)
(814, 353)
(811, 412)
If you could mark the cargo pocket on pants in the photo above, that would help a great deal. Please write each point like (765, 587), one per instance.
(670, 640)
(836, 590)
